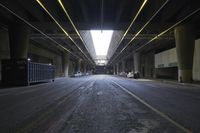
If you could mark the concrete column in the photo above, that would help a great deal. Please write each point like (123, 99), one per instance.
(19, 40)
(123, 66)
(120, 67)
(84, 68)
(79, 65)
(136, 60)
(87, 68)
(185, 41)
(114, 70)
(117, 68)
(65, 62)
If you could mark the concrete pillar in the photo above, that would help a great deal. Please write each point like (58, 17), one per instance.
(87, 68)
(65, 63)
(79, 65)
(185, 41)
(114, 69)
(84, 68)
(19, 40)
(123, 66)
(117, 68)
(137, 63)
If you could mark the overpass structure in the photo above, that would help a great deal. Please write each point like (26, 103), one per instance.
(151, 39)
(58, 32)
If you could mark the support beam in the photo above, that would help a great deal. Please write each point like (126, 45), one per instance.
(185, 41)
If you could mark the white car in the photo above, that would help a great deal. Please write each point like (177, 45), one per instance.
(130, 75)
(87, 74)
(78, 74)
(123, 74)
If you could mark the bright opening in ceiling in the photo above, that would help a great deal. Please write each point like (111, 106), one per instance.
(101, 41)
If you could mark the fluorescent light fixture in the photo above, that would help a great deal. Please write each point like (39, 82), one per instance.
(101, 40)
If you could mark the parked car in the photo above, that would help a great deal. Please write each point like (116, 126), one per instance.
(87, 74)
(78, 74)
(123, 74)
(130, 75)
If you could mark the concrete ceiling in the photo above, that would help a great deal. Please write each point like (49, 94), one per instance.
(114, 14)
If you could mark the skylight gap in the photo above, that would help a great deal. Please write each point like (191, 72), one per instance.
(101, 40)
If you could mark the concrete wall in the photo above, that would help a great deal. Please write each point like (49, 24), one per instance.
(166, 63)
(167, 73)
(165, 59)
(196, 65)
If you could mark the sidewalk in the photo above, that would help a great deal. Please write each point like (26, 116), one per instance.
(194, 84)
(170, 81)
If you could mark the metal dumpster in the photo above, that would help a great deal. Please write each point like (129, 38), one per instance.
(24, 72)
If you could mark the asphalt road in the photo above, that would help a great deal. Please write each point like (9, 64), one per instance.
(100, 104)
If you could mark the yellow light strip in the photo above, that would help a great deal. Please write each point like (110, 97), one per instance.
(40, 3)
(165, 31)
(66, 13)
(134, 19)
(145, 25)
(52, 17)
(73, 25)
(32, 26)
(141, 29)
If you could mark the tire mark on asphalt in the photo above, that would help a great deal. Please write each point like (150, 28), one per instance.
(154, 109)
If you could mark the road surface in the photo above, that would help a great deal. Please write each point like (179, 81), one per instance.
(100, 104)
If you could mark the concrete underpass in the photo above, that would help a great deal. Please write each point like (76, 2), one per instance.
(99, 66)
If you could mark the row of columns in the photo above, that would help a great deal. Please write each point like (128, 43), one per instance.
(184, 40)
(136, 67)
(80, 66)
(19, 42)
